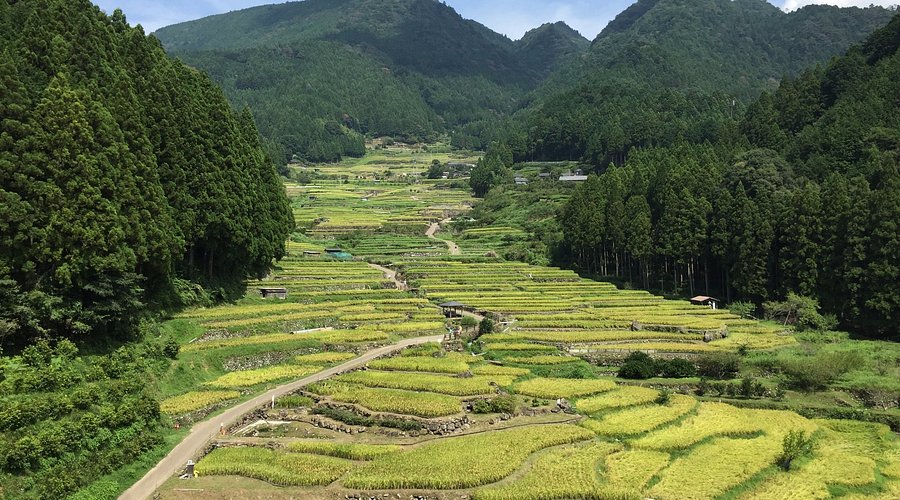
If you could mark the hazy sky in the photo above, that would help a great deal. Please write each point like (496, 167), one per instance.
(510, 17)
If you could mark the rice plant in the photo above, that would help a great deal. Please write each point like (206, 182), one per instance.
(195, 400)
(420, 404)
(285, 469)
(641, 419)
(745, 458)
(625, 395)
(553, 388)
(443, 384)
(351, 451)
(564, 473)
(421, 364)
(262, 375)
(462, 462)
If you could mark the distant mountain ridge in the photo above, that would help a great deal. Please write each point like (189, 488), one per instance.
(549, 45)
(319, 74)
(665, 70)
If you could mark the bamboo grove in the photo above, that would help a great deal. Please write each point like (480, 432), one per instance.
(125, 176)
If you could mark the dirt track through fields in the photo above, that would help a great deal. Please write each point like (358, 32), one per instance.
(203, 432)
(434, 228)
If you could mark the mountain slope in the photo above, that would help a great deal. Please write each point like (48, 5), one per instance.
(546, 47)
(320, 73)
(665, 70)
(840, 126)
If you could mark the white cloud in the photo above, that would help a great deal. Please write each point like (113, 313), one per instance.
(791, 5)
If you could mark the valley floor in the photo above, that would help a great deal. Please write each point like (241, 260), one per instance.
(529, 407)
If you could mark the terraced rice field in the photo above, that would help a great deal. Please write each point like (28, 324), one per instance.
(627, 445)
(618, 442)
(555, 306)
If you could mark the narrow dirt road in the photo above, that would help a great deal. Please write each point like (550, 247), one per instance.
(391, 275)
(203, 432)
(434, 228)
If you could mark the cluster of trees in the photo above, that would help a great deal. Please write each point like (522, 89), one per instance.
(809, 206)
(491, 169)
(66, 421)
(123, 174)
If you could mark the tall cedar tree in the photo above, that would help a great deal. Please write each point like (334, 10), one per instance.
(121, 170)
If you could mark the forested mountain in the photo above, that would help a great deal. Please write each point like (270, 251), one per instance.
(320, 73)
(124, 176)
(665, 70)
(811, 207)
(546, 47)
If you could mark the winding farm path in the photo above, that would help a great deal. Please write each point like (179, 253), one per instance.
(433, 228)
(391, 275)
(203, 432)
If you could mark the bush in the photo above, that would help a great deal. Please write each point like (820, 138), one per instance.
(665, 396)
(500, 404)
(677, 368)
(486, 327)
(703, 388)
(750, 388)
(171, 348)
(468, 322)
(638, 366)
(816, 372)
(796, 444)
(800, 311)
(742, 309)
(719, 365)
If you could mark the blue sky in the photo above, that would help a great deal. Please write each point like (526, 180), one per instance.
(510, 17)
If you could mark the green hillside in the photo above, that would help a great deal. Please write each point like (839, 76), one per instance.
(319, 74)
(670, 69)
(123, 173)
(546, 47)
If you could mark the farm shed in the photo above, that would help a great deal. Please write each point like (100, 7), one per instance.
(274, 293)
(453, 309)
(521, 181)
(703, 300)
